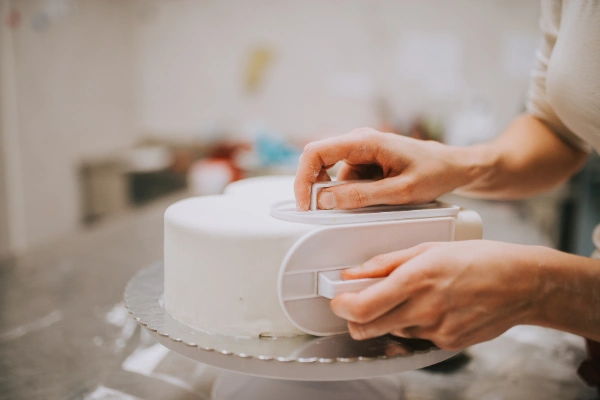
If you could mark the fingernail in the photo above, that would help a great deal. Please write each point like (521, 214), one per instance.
(326, 201)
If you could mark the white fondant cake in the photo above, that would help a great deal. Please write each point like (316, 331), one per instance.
(223, 255)
(222, 259)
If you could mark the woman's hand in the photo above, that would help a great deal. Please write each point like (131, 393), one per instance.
(407, 171)
(524, 160)
(455, 294)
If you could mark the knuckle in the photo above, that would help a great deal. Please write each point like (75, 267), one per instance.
(425, 246)
(409, 189)
(430, 316)
(441, 342)
(360, 313)
(446, 339)
(357, 198)
(357, 332)
(449, 344)
(365, 130)
(445, 333)
(457, 344)
(365, 133)
(310, 148)
(404, 333)
(380, 260)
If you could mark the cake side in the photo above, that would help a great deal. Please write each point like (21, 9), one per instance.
(222, 259)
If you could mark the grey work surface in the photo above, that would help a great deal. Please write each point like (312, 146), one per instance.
(65, 334)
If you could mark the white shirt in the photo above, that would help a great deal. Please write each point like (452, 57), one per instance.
(565, 84)
(565, 81)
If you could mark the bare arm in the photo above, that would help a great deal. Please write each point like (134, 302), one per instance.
(569, 297)
(441, 282)
(525, 160)
(461, 293)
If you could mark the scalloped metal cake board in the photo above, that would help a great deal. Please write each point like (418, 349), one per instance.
(303, 358)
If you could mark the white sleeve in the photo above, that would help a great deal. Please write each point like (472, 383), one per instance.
(538, 103)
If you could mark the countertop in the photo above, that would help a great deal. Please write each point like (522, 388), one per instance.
(65, 333)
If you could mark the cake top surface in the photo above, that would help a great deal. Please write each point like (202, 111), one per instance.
(274, 188)
(233, 215)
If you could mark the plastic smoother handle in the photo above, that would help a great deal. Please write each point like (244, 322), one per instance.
(318, 186)
(331, 284)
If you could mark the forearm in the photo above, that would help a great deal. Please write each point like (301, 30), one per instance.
(525, 160)
(567, 293)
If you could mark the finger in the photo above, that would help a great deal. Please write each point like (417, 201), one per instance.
(458, 330)
(370, 303)
(347, 172)
(356, 195)
(353, 172)
(410, 332)
(473, 337)
(356, 148)
(402, 321)
(381, 297)
(466, 331)
(370, 331)
(394, 348)
(323, 176)
(441, 341)
(383, 265)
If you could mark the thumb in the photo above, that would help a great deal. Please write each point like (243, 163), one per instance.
(356, 195)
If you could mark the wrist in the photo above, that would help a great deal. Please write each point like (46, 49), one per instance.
(476, 164)
(543, 285)
(566, 292)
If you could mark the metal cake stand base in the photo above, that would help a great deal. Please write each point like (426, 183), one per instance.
(300, 358)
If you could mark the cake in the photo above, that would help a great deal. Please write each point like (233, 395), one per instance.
(223, 256)
(222, 259)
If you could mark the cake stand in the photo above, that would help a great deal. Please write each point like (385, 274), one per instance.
(300, 358)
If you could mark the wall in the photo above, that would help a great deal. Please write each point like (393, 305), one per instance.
(333, 62)
(87, 77)
(12, 216)
(73, 63)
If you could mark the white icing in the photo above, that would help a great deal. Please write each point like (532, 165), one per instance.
(222, 258)
(273, 188)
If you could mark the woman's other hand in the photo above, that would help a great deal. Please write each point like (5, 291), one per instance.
(455, 294)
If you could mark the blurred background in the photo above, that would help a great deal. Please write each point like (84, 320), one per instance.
(111, 110)
(108, 106)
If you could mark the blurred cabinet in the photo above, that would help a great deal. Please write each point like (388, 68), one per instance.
(104, 189)
(116, 183)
